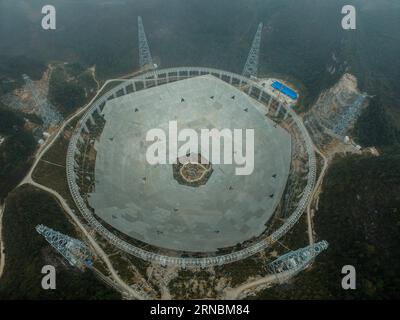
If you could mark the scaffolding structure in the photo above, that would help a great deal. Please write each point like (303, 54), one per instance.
(145, 59)
(48, 113)
(75, 251)
(251, 67)
(295, 261)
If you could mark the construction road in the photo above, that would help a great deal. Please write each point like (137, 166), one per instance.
(125, 289)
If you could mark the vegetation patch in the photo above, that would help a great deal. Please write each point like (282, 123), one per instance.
(359, 215)
(27, 252)
(15, 151)
(70, 87)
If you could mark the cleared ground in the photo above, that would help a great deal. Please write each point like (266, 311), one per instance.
(146, 203)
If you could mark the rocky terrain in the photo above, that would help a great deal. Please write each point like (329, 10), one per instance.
(336, 111)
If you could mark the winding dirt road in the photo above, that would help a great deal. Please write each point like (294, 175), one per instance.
(315, 196)
(231, 293)
(125, 288)
(234, 293)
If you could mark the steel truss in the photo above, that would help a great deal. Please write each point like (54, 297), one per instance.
(145, 59)
(75, 251)
(296, 261)
(251, 66)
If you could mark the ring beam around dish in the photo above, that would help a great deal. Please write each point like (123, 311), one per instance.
(157, 78)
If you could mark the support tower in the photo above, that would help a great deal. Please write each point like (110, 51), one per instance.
(145, 59)
(295, 261)
(75, 251)
(251, 66)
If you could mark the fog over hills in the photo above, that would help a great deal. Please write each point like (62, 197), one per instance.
(356, 203)
(299, 39)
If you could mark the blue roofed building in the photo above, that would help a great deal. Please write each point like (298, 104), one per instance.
(285, 90)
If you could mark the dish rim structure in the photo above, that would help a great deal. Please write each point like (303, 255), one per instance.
(159, 77)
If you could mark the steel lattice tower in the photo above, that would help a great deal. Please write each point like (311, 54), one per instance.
(296, 261)
(39, 100)
(251, 66)
(145, 59)
(75, 251)
(48, 113)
